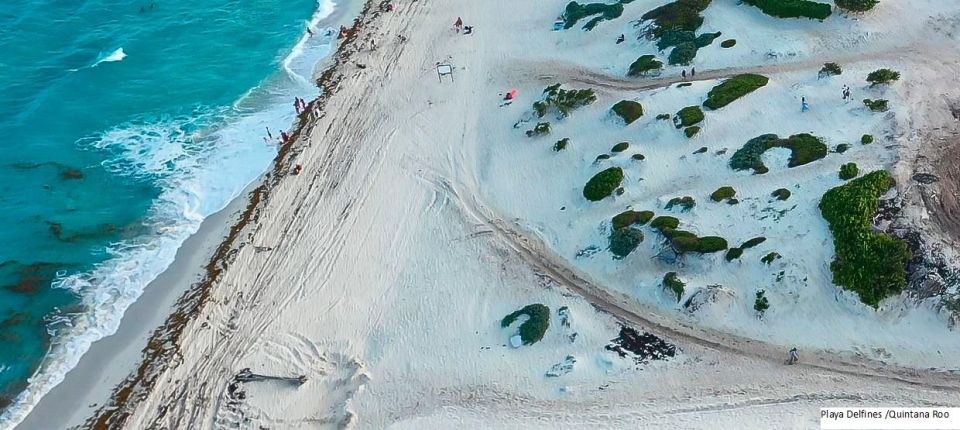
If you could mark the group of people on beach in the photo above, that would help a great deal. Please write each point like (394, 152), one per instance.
(458, 27)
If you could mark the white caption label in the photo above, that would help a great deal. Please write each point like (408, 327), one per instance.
(890, 418)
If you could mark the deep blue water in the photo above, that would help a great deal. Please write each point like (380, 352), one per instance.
(123, 125)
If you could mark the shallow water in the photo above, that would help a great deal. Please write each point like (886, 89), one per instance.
(124, 125)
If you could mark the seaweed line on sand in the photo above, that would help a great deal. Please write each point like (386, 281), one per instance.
(163, 347)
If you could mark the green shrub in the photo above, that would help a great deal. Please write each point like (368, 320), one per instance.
(620, 147)
(601, 157)
(663, 116)
(624, 240)
(722, 194)
(712, 244)
(684, 84)
(856, 5)
(781, 194)
(761, 304)
(682, 54)
(753, 242)
(643, 65)
(540, 129)
(680, 15)
(561, 144)
(673, 283)
(830, 69)
(729, 43)
(533, 329)
(691, 131)
(734, 88)
(638, 157)
(804, 148)
(792, 8)
(628, 218)
(671, 234)
(849, 171)
(703, 245)
(872, 264)
(878, 105)
(686, 203)
(602, 184)
(882, 76)
(688, 116)
(843, 147)
(629, 110)
(770, 258)
(665, 223)
(576, 11)
(701, 150)
(733, 202)
(866, 139)
(563, 101)
(733, 254)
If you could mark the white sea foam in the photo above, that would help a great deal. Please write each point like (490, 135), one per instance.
(201, 160)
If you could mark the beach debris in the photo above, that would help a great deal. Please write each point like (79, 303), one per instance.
(925, 178)
(643, 347)
(562, 368)
(246, 375)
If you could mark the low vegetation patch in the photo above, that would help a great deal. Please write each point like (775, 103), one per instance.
(576, 11)
(601, 157)
(561, 144)
(856, 5)
(733, 254)
(672, 282)
(701, 150)
(620, 147)
(563, 102)
(685, 203)
(541, 129)
(663, 116)
(830, 69)
(663, 223)
(645, 64)
(804, 148)
(685, 45)
(603, 184)
(729, 43)
(878, 105)
(691, 131)
(849, 171)
(792, 8)
(629, 110)
(629, 218)
(624, 240)
(866, 139)
(781, 194)
(723, 193)
(679, 15)
(882, 76)
(843, 147)
(753, 242)
(761, 304)
(872, 264)
(688, 116)
(734, 88)
(770, 258)
(533, 329)
(702, 245)
(638, 157)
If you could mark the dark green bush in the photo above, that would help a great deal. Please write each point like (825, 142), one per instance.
(830, 69)
(684, 84)
(576, 11)
(682, 54)
(729, 43)
(733, 201)
(878, 105)
(602, 184)
(673, 283)
(643, 65)
(792, 8)
(680, 15)
(753, 242)
(734, 88)
(733, 254)
(761, 304)
(688, 116)
(691, 131)
(781, 194)
(856, 5)
(663, 116)
(638, 157)
(872, 264)
(804, 148)
(701, 150)
(866, 139)
(563, 101)
(703, 245)
(601, 157)
(540, 129)
(843, 147)
(849, 171)
(665, 223)
(561, 144)
(533, 329)
(712, 244)
(686, 203)
(770, 258)
(620, 147)
(882, 76)
(624, 240)
(628, 218)
(671, 233)
(629, 110)
(722, 194)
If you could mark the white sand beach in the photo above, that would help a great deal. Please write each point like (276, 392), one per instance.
(422, 215)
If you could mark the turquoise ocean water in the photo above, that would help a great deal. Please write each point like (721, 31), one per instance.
(123, 125)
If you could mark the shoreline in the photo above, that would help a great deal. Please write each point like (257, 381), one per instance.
(166, 303)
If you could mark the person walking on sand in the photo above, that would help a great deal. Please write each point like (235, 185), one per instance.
(296, 105)
(693, 72)
(284, 137)
(683, 74)
(621, 39)
(794, 357)
(458, 24)
(803, 104)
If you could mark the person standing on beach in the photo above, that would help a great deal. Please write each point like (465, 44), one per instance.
(458, 24)
(803, 104)
(284, 137)
(693, 72)
(683, 73)
(296, 105)
(269, 134)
